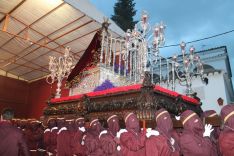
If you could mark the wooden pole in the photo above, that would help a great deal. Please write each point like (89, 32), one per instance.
(144, 125)
(6, 22)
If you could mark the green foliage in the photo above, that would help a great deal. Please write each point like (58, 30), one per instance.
(123, 14)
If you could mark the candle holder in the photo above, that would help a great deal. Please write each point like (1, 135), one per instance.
(188, 67)
(60, 68)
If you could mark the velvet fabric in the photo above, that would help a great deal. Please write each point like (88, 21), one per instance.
(12, 142)
(161, 145)
(133, 141)
(192, 142)
(86, 58)
(226, 138)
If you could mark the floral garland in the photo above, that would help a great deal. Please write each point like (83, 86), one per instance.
(124, 89)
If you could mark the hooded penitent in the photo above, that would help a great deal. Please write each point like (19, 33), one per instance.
(209, 113)
(12, 142)
(60, 123)
(51, 123)
(164, 144)
(23, 124)
(95, 127)
(133, 141)
(192, 142)
(164, 122)
(53, 136)
(91, 141)
(132, 123)
(216, 131)
(113, 124)
(80, 122)
(226, 138)
(65, 134)
(34, 137)
(108, 140)
(77, 147)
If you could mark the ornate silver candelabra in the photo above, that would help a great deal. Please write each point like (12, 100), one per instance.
(189, 66)
(60, 68)
(140, 54)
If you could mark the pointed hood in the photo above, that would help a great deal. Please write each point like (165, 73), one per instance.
(113, 124)
(164, 122)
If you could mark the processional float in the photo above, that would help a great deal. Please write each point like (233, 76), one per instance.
(147, 78)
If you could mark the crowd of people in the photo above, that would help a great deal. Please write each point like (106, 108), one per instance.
(63, 137)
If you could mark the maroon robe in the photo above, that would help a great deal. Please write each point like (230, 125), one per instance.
(34, 137)
(50, 136)
(91, 141)
(192, 142)
(41, 147)
(109, 141)
(161, 145)
(133, 141)
(46, 139)
(53, 140)
(215, 133)
(226, 138)
(64, 143)
(65, 139)
(11, 140)
(214, 136)
(77, 148)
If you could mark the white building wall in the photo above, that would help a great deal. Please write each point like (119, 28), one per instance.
(207, 93)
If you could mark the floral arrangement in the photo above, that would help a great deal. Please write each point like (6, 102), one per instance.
(104, 86)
